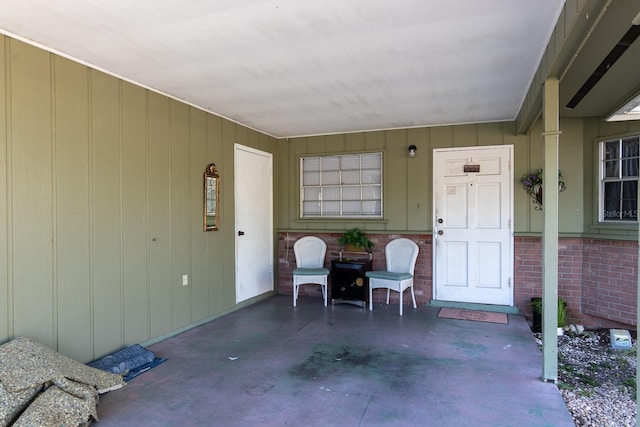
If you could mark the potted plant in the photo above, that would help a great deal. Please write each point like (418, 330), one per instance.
(355, 240)
(532, 184)
(536, 305)
(562, 315)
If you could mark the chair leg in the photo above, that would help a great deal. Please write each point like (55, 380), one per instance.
(324, 294)
(295, 294)
(413, 296)
(370, 299)
(400, 302)
(388, 291)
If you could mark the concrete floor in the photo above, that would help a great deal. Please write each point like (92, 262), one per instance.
(273, 364)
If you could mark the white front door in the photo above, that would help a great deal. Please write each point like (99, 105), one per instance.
(254, 219)
(472, 235)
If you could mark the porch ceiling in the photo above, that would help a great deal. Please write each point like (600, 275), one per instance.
(292, 67)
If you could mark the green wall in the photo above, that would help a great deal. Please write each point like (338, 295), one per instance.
(408, 181)
(101, 207)
(101, 200)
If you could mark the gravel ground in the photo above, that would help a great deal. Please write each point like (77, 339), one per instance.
(598, 383)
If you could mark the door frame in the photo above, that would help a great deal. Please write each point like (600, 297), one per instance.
(510, 249)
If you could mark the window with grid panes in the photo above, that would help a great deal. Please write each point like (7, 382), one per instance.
(344, 186)
(619, 179)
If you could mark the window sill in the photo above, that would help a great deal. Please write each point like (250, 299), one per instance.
(350, 220)
(615, 226)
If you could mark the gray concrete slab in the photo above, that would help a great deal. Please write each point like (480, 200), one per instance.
(273, 364)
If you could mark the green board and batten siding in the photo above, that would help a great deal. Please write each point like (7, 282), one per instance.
(73, 219)
(101, 207)
(106, 222)
(6, 293)
(101, 199)
(159, 224)
(408, 181)
(31, 185)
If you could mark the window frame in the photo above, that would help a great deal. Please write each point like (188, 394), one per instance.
(341, 186)
(603, 179)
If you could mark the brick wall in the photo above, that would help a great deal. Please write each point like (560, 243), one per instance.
(610, 272)
(528, 272)
(597, 277)
(422, 274)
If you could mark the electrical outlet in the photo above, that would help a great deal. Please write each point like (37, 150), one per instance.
(185, 279)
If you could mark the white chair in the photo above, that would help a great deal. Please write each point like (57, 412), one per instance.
(310, 252)
(401, 255)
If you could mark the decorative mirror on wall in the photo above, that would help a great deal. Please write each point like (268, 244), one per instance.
(211, 185)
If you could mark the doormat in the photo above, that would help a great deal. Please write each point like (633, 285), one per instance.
(474, 315)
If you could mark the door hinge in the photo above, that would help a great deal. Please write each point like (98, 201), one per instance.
(509, 282)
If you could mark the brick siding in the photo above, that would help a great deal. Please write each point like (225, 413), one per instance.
(597, 277)
(422, 274)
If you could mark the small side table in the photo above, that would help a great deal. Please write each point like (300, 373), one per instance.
(348, 281)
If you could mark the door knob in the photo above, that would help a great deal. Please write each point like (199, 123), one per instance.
(240, 233)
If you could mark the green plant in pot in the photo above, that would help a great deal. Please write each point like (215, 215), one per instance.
(536, 304)
(355, 240)
(562, 313)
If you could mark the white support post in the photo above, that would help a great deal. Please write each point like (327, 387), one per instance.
(550, 231)
(638, 322)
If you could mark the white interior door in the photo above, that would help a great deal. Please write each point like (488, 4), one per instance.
(473, 240)
(254, 222)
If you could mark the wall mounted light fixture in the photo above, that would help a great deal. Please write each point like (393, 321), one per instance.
(412, 150)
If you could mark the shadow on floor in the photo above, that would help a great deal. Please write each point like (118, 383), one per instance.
(273, 364)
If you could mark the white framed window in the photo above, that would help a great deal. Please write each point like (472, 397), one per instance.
(619, 179)
(341, 186)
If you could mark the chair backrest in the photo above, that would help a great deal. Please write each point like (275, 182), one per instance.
(310, 252)
(401, 255)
